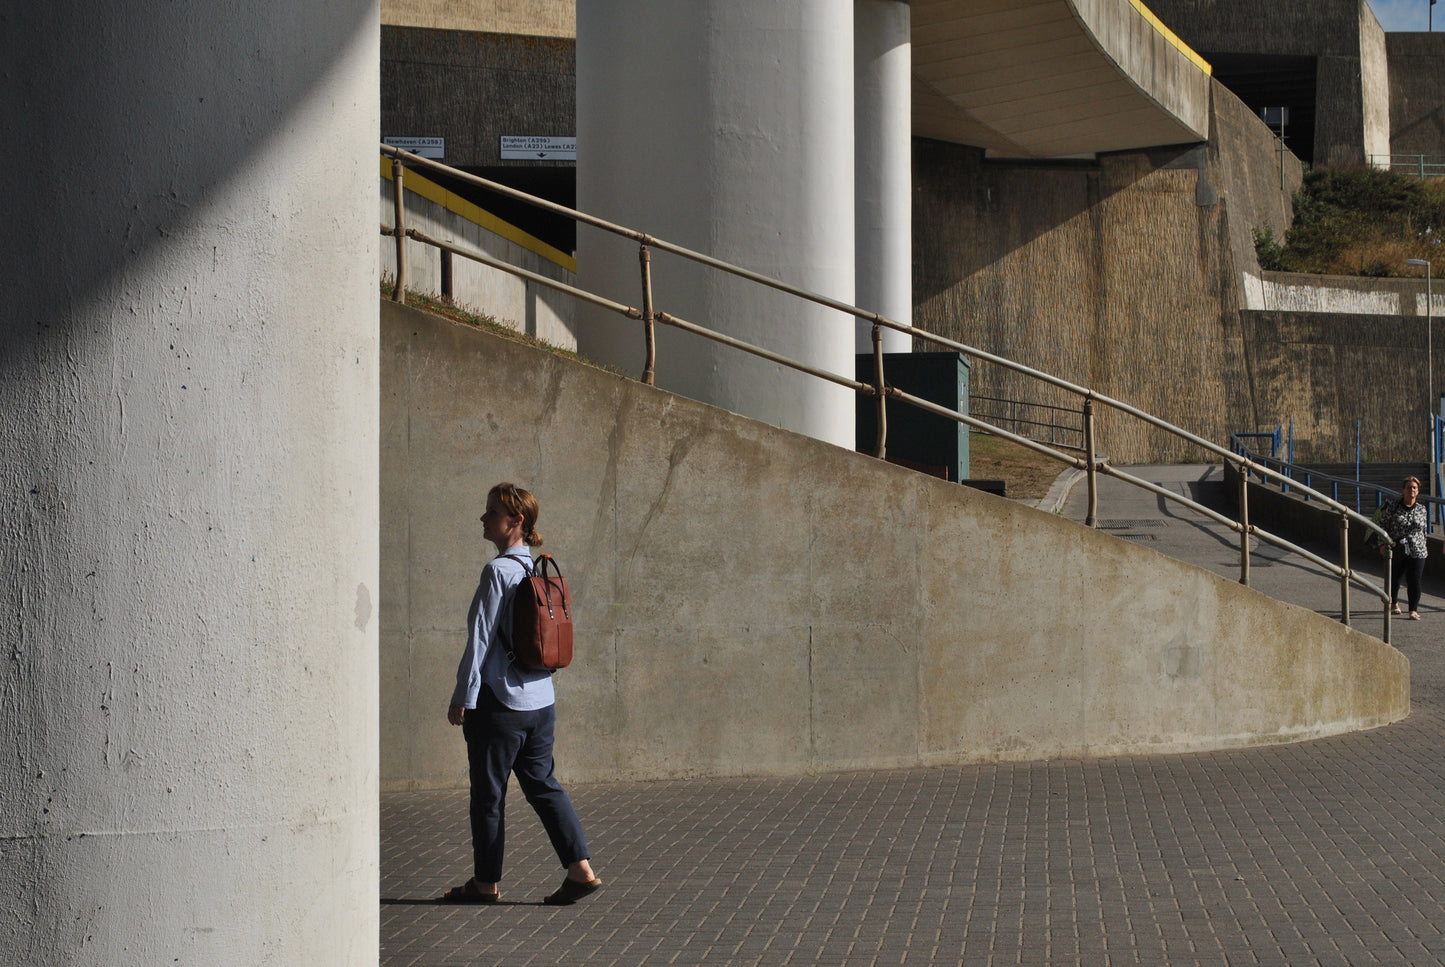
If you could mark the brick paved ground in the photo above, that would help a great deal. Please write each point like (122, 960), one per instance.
(1327, 852)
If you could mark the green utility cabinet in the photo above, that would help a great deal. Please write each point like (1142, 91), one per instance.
(916, 438)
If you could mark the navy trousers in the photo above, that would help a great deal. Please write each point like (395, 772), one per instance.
(501, 741)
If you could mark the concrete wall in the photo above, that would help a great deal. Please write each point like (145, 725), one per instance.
(537, 18)
(1374, 85)
(1123, 275)
(472, 88)
(1417, 93)
(1327, 371)
(188, 467)
(751, 601)
(1299, 292)
(523, 305)
(1351, 95)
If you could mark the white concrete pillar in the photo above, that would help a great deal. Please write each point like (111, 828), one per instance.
(884, 166)
(725, 126)
(188, 453)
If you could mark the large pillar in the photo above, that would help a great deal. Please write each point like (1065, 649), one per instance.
(188, 483)
(725, 126)
(884, 166)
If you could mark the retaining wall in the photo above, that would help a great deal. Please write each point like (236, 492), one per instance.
(1417, 93)
(1330, 373)
(1123, 275)
(751, 601)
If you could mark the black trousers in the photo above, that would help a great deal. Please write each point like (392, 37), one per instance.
(501, 741)
(1412, 569)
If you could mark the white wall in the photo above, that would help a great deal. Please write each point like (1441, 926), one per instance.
(188, 447)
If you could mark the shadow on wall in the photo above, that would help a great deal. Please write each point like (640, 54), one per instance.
(983, 211)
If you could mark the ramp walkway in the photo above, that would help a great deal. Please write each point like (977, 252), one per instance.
(1325, 852)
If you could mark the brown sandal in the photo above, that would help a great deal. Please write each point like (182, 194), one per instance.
(571, 891)
(469, 892)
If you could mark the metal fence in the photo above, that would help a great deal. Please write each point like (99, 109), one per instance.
(878, 388)
(1419, 165)
(1058, 426)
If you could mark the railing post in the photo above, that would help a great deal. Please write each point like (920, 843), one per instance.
(1389, 566)
(398, 230)
(644, 256)
(1091, 518)
(1244, 529)
(880, 448)
(449, 292)
(1345, 567)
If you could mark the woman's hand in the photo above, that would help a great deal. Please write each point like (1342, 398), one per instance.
(455, 713)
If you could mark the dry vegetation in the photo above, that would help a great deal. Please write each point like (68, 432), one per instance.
(1359, 221)
(1027, 475)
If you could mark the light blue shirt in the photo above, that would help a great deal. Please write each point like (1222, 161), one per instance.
(485, 661)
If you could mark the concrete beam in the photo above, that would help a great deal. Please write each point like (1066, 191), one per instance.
(1054, 78)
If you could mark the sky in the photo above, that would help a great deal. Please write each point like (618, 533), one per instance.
(1407, 14)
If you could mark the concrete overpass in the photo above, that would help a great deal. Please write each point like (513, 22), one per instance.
(1054, 78)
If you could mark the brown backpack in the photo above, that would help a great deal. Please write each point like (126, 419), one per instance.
(541, 633)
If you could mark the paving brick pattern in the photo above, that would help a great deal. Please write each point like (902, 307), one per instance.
(1326, 852)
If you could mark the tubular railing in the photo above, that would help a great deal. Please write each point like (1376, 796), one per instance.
(1089, 462)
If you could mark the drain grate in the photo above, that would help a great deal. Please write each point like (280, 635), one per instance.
(1128, 525)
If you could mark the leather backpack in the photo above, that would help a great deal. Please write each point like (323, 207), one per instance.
(541, 632)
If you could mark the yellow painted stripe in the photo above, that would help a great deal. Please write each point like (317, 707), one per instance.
(454, 203)
(1170, 36)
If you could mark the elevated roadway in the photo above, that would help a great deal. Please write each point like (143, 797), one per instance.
(1054, 78)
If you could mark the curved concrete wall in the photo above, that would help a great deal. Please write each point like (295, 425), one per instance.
(725, 126)
(752, 601)
(188, 449)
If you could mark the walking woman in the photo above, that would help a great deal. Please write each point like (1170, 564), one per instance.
(1406, 521)
(508, 715)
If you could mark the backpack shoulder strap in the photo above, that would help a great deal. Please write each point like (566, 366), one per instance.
(526, 563)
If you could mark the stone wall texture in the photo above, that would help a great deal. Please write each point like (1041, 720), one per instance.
(1122, 275)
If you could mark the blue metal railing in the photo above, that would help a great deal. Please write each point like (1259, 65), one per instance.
(1364, 496)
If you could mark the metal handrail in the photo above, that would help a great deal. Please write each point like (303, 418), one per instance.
(1019, 413)
(1421, 165)
(1089, 462)
(1435, 506)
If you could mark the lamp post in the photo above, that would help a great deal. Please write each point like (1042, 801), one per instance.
(1429, 361)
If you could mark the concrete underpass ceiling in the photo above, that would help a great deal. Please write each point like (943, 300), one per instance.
(1054, 78)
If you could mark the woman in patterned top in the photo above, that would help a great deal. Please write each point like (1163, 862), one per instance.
(1406, 521)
